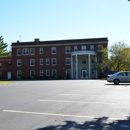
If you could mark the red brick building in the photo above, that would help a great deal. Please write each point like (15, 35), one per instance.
(74, 58)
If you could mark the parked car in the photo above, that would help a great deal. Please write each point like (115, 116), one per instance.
(109, 72)
(119, 77)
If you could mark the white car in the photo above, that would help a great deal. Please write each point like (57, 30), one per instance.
(119, 77)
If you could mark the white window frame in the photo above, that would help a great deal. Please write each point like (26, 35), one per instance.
(54, 71)
(31, 73)
(25, 51)
(47, 61)
(41, 61)
(53, 50)
(67, 72)
(41, 50)
(92, 48)
(53, 60)
(41, 73)
(47, 72)
(66, 61)
(75, 48)
(100, 47)
(67, 50)
(83, 48)
(19, 73)
(18, 52)
(32, 62)
(32, 51)
(19, 62)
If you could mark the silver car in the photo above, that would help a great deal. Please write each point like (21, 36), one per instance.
(119, 77)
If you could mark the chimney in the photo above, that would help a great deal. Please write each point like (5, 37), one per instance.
(36, 39)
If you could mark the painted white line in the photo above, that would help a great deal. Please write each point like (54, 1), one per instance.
(42, 100)
(85, 94)
(63, 115)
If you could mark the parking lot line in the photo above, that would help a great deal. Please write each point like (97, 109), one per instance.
(62, 115)
(42, 100)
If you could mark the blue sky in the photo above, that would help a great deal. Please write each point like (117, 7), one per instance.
(26, 20)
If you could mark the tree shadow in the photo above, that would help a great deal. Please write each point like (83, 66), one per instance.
(96, 124)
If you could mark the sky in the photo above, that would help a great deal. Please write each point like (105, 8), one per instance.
(25, 20)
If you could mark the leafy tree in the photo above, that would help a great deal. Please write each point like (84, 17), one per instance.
(120, 56)
(103, 61)
(3, 47)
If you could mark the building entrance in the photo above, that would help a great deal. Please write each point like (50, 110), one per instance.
(84, 74)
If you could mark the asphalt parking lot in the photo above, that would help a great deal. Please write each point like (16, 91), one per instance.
(64, 105)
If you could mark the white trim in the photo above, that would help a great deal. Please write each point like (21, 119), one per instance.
(33, 51)
(31, 62)
(48, 72)
(55, 72)
(18, 73)
(41, 52)
(20, 52)
(62, 44)
(53, 61)
(19, 62)
(41, 72)
(41, 59)
(52, 50)
(83, 53)
(47, 61)
(31, 71)
(66, 61)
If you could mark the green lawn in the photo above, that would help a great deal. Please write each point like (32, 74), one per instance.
(5, 82)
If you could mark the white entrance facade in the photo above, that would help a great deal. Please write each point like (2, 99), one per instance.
(83, 65)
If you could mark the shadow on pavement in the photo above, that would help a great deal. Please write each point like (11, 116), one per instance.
(97, 124)
(118, 84)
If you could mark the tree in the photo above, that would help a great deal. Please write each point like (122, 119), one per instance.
(103, 61)
(3, 47)
(120, 56)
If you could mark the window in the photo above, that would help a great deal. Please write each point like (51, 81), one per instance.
(47, 72)
(54, 73)
(32, 62)
(83, 48)
(19, 73)
(18, 52)
(32, 51)
(92, 71)
(0, 74)
(0, 64)
(75, 48)
(68, 73)
(92, 48)
(41, 61)
(121, 74)
(41, 72)
(53, 50)
(67, 49)
(47, 61)
(84, 60)
(67, 61)
(53, 61)
(25, 51)
(32, 73)
(40, 50)
(100, 47)
(19, 62)
(92, 60)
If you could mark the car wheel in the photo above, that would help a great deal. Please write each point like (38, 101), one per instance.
(116, 82)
